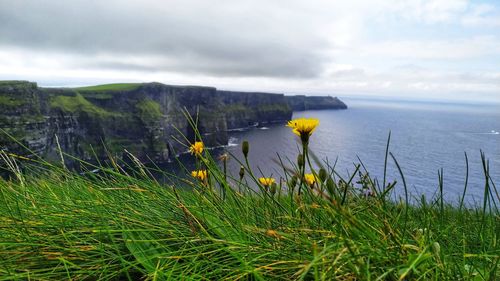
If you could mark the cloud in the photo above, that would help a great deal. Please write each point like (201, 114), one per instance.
(482, 15)
(432, 11)
(437, 49)
(378, 46)
(191, 36)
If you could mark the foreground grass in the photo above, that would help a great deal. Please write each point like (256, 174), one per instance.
(61, 225)
(122, 224)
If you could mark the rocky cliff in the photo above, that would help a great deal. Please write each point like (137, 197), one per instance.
(145, 119)
(300, 102)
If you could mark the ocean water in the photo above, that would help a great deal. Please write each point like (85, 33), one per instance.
(425, 137)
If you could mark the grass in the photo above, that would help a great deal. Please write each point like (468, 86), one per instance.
(76, 103)
(12, 82)
(122, 224)
(11, 102)
(149, 110)
(111, 87)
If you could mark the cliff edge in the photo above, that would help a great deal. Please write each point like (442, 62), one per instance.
(146, 119)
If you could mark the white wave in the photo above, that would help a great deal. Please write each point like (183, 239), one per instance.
(492, 132)
(232, 142)
(264, 128)
(238, 129)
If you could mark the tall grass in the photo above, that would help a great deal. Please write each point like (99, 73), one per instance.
(122, 224)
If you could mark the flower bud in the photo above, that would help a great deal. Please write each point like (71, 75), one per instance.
(292, 182)
(436, 249)
(322, 174)
(273, 188)
(242, 172)
(224, 157)
(330, 186)
(245, 148)
(300, 161)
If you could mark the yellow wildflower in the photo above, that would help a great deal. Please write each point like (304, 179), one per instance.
(315, 206)
(303, 127)
(273, 233)
(310, 179)
(199, 174)
(266, 181)
(196, 148)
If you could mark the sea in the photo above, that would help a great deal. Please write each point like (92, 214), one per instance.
(425, 137)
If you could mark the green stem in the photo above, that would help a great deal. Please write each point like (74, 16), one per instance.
(303, 168)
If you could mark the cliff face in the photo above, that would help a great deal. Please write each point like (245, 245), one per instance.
(145, 119)
(21, 116)
(243, 109)
(299, 103)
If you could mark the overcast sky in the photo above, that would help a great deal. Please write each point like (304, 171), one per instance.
(441, 49)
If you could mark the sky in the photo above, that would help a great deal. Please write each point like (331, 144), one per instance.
(415, 49)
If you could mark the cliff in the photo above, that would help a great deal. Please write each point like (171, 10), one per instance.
(300, 102)
(146, 119)
(243, 109)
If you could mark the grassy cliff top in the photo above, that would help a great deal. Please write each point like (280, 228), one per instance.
(110, 87)
(13, 82)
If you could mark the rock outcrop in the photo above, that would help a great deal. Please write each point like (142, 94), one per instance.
(149, 120)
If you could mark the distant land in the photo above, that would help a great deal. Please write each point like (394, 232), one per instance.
(146, 119)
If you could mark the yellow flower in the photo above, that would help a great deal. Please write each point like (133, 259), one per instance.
(310, 179)
(315, 206)
(266, 181)
(273, 233)
(303, 127)
(199, 174)
(196, 148)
